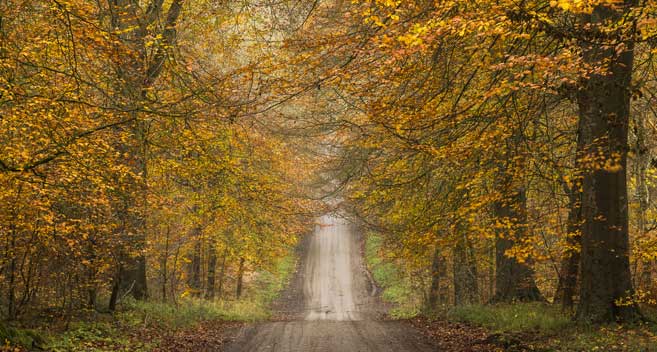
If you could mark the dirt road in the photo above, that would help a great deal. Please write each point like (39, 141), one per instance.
(330, 304)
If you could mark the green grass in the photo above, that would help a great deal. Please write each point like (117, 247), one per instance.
(191, 311)
(548, 329)
(396, 287)
(12, 336)
(270, 284)
(113, 334)
(513, 317)
(605, 338)
(96, 337)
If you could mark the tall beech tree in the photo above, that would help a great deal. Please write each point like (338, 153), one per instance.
(604, 103)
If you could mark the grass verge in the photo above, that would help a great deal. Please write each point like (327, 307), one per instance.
(513, 317)
(396, 289)
(543, 327)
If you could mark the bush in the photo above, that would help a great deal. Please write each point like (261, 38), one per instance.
(12, 336)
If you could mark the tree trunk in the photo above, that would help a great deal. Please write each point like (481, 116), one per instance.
(222, 273)
(164, 262)
(604, 104)
(212, 269)
(643, 198)
(11, 290)
(491, 271)
(137, 74)
(240, 276)
(92, 296)
(114, 296)
(570, 261)
(514, 281)
(10, 255)
(135, 275)
(437, 268)
(465, 272)
(194, 275)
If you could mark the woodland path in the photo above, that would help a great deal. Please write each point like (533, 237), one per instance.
(328, 306)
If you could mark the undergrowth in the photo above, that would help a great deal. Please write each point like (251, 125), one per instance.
(138, 325)
(396, 288)
(545, 327)
(513, 317)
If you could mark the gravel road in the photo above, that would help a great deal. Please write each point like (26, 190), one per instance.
(329, 304)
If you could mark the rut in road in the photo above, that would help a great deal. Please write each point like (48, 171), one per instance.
(336, 312)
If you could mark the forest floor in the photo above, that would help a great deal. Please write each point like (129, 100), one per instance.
(451, 335)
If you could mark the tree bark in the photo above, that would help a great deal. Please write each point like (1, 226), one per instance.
(435, 296)
(222, 273)
(11, 289)
(164, 264)
(138, 73)
(114, 296)
(212, 269)
(514, 281)
(570, 261)
(604, 108)
(240, 277)
(466, 289)
(194, 275)
(642, 195)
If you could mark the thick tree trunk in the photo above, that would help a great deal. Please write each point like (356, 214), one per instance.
(466, 290)
(114, 296)
(138, 73)
(92, 297)
(514, 281)
(135, 276)
(604, 103)
(436, 296)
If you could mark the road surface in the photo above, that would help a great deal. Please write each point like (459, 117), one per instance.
(330, 305)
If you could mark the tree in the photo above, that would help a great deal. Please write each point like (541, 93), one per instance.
(604, 103)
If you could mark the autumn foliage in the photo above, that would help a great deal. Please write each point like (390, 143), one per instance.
(130, 161)
(164, 149)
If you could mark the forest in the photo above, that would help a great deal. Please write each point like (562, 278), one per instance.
(165, 166)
